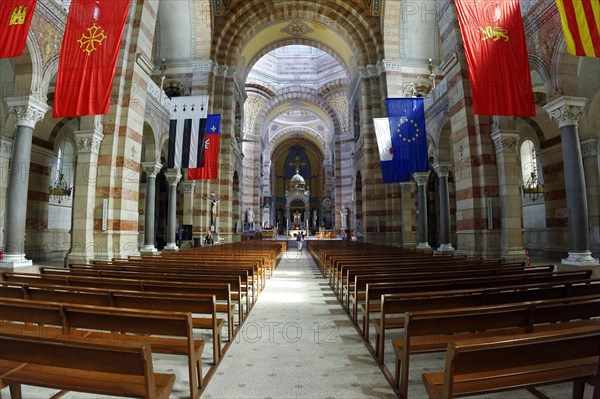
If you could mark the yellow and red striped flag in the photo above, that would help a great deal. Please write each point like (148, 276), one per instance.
(581, 26)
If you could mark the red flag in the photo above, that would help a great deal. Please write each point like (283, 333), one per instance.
(15, 20)
(90, 47)
(210, 169)
(580, 21)
(496, 53)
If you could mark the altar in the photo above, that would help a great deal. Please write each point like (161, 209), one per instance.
(293, 233)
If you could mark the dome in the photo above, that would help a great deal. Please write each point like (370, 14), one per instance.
(297, 182)
(297, 179)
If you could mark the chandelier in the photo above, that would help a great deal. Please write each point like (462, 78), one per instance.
(532, 188)
(60, 189)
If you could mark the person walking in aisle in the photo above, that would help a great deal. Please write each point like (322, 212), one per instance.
(299, 239)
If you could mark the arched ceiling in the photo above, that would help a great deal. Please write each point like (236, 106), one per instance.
(341, 25)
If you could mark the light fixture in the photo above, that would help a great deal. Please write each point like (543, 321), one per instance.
(431, 74)
(532, 188)
(60, 189)
(163, 69)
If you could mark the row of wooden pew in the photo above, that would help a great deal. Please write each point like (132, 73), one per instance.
(472, 309)
(107, 318)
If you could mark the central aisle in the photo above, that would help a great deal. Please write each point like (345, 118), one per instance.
(297, 343)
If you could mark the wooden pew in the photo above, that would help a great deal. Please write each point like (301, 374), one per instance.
(374, 291)
(224, 302)
(509, 363)
(394, 307)
(360, 278)
(204, 306)
(245, 273)
(431, 331)
(172, 331)
(81, 367)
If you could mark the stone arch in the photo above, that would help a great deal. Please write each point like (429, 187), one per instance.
(297, 94)
(296, 41)
(250, 17)
(290, 131)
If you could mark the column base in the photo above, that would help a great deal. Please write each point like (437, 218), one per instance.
(580, 259)
(149, 250)
(171, 246)
(14, 261)
(444, 249)
(423, 245)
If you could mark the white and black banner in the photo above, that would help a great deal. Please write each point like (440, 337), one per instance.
(186, 131)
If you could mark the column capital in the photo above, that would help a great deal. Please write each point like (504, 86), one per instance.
(589, 148)
(421, 178)
(442, 169)
(151, 168)
(187, 186)
(28, 110)
(88, 141)
(173, 176)
(407, 187)
(566, 110)
(506, 141)
(6, 145)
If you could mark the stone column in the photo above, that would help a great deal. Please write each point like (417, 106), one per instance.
(421, 178)
(407, 200)
(565, 111)
(87, 146)
(152, 169)
(509, 183)
(187, 188)
(173, 176)
(589, 152)
(442, 169)
(28, 112)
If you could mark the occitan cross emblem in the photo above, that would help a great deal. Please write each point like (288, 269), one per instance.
(94, 38)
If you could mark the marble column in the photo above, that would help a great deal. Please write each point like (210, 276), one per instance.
(565, 111)
(188, 187)
(152, 169)
(421, 178)
(407, 190)
(28, 112)
(87, 146)
(509, 185)
(173, 176)
(589, 152)
(442, 169)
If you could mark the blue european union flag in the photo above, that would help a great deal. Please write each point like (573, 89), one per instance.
(409, 138)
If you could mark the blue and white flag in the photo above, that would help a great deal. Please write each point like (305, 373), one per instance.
(403, 142)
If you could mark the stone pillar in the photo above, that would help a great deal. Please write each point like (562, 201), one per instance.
(28, 112)
(565, 111)
(187, 188)
(509, 184)
(407, 200)
(442, 169)
(87, 146)
(421, 178)
(173, 176)
(152, 169)
(589, 152)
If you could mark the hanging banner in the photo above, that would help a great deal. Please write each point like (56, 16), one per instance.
(210, 169)
(15, 21)
(88, 57)
(496, 54)
(580, 21)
